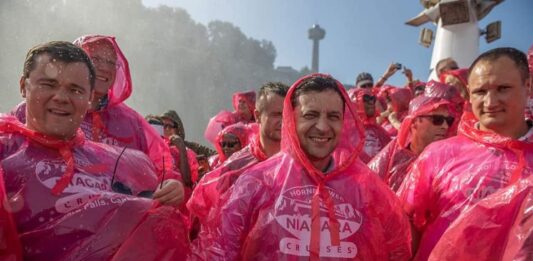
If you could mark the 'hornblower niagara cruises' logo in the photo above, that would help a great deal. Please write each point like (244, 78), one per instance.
(293, 213)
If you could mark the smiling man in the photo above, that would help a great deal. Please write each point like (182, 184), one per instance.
(314, 199)
(60, 188)
(492, 150)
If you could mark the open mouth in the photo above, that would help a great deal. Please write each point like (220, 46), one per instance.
(320, 139)
(60, 113)
(102, 78)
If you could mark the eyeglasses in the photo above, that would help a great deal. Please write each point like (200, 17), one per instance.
(366, 85)
(226, 144)
(438, 120)
(169, 126)
(369, 98)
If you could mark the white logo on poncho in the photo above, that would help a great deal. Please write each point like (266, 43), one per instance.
(293, 213)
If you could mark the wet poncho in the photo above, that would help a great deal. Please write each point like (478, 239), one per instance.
(285, 209)
(499, 227)
(118, 124)
(225, 118)
(456, 173)
(241, 131)
(400, 98)
(80, 200)
(376, 138)
(249, 98)
(393, 162)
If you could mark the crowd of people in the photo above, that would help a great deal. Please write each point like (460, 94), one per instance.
(437, 170)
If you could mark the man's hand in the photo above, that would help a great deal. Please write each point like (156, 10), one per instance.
(171, 194)
(177, 141)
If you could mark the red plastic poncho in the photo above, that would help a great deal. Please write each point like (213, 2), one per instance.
(241, 131)
(450, 93)
(10, 248)
(211, 193)
(207, 193)
(285, 209)
(118, 124)
(60, 196)
(249, 98)
(393, 162)
(454, 174)
(499, 227)
(400, 98)
(217, 123)
(376, 138)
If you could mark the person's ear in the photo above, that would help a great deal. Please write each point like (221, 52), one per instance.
(22, 84)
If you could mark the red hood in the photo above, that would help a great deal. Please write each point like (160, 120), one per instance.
(350, 143)
(241, 131)
(400, 98)
(122, 86)
(420, 105)
(248, 97)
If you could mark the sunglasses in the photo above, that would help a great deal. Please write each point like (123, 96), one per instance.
(438, 120)
(366, 85)
(225, 144)
(369, 98)
(119, 187)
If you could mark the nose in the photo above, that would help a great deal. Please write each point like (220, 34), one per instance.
(322, 124)
(61, 96)
(490, 100)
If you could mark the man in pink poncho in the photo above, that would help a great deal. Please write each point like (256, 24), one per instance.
(428, 120)
(70, 198)
(315, 199)
(207, 196)
(492, 150)
(376, 138)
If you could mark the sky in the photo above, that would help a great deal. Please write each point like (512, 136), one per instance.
(361, 35)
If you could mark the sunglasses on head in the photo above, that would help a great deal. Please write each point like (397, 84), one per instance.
(438, 120)
(226, 144)
(366, 85)
(369, 98)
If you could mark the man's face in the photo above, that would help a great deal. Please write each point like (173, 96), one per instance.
(230, 144)
(369, 102)
(270, 119)
(498, 94)
(104, 59)
(169, 128)
(455, 82)
(447, 65)
(319, 120)
(57, 96)
(430, 127)
(244, 110)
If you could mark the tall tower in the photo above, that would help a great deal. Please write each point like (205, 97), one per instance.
(316, 33)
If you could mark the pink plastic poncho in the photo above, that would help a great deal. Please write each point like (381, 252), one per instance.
(118, 124)
(286, 209)
(499, 227)
(400, 98)
(217, 123)
(249, 98)
(393, 162)
(376, 138)
(456, 173)
(450, 93)
(61, 197)
(241, 131)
